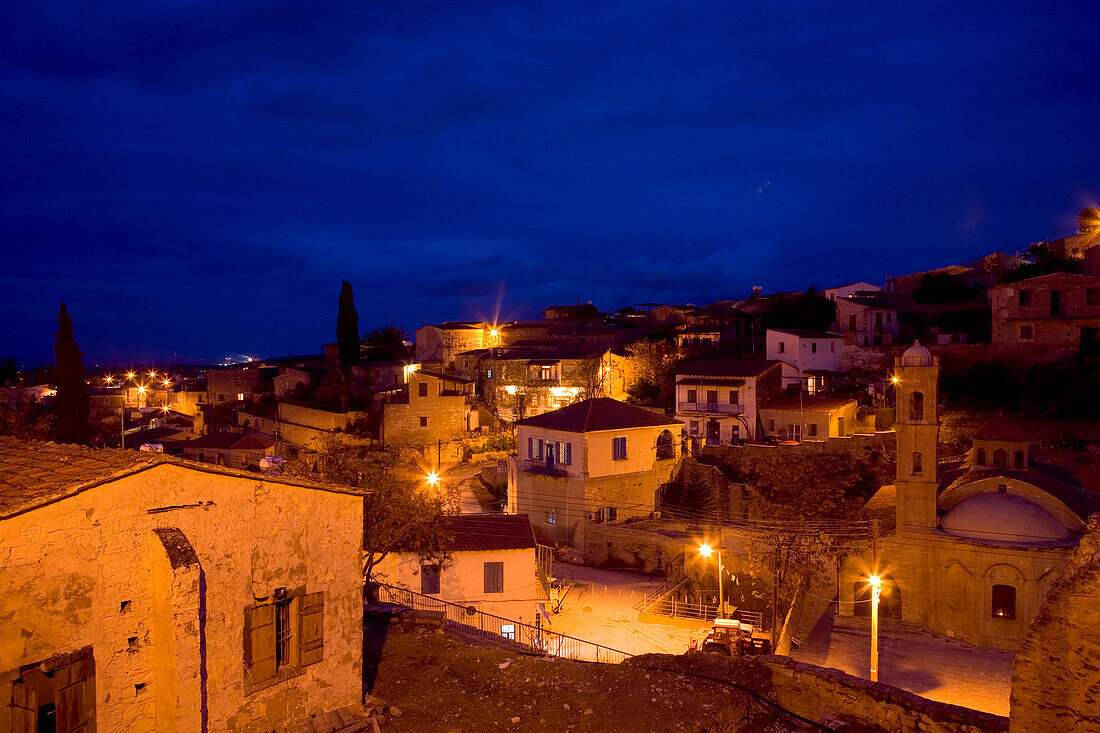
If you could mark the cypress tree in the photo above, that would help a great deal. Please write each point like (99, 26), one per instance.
(72, 422)
(347, 328)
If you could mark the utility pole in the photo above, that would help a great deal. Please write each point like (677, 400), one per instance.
(122, 424)
(775, 597)
(874, 546)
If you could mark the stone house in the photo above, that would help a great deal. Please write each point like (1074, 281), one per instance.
(698, 337)
(866, 320)
(154, 594)
(1046, 319)
(440, 343)
(969, 547)
(434, 408)
(521, 382)
(811, 357)
(806, 417)
(232, 385)
(492, 566)
(718, 400)
(291, 376)
(595, 460)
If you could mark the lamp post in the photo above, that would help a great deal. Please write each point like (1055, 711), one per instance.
(705, 550)
(876, 589)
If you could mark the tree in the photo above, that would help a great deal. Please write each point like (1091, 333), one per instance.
(398, 515)
(347, 328)
(655, 364)
(72, 418)
(386, 344)
(799, 310)
(9, 372)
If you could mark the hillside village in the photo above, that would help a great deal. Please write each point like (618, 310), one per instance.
(263, 546)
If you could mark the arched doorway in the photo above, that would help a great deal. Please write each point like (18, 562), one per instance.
(665, 448)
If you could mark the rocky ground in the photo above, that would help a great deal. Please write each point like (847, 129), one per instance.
(431, 682)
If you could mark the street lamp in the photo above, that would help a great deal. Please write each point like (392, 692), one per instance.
(432, 478)
(705, 550)
(876, 588)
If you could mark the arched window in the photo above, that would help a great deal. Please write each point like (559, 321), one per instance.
(1004, 602)
(916, 464)
(981, 457)
(1018, 461)
(916, 406)
(664, 445)
(1000, 458)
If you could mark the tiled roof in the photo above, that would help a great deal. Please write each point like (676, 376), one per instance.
(446, 377)
(1001, 429)
(807, 333)
(485, 532)
(600, 413)
(33, 473)
(726, 368)
(227, 441)
(806, 403)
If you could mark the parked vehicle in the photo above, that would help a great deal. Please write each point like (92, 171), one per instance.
(735, 638)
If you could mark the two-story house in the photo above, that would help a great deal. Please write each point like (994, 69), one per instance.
(718, 400)
(811, 358)
(596, 460)
(1047, 318)
(435, 407)
(866, 319)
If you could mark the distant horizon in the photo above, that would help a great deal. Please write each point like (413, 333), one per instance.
(196, 180)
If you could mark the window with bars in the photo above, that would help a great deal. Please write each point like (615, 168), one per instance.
(287, 634)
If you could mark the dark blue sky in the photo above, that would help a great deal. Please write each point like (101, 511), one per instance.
(197, 177)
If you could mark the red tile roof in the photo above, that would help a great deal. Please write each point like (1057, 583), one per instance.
(600, 413)
(487, 532)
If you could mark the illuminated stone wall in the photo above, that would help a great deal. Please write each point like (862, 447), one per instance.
(90, 570)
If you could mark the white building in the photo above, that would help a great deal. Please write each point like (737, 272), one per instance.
(492, 567)
(811, 356)
(718, 400)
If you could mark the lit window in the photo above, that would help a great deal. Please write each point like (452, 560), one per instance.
(488, 373)
(552, 516)
(1004, 602)
(240, 397)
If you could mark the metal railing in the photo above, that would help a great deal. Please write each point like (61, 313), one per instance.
(714, 408)
(468, 620)
(700, 610)
(536, 466)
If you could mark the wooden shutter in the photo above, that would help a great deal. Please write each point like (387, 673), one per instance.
(494, 577)
(259, 642)
(24, 709)
(75, 698)
(311, 609)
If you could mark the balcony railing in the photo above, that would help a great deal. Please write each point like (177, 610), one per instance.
(712, 408)
(534, 466)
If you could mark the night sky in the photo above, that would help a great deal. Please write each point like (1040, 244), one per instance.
(196, 178)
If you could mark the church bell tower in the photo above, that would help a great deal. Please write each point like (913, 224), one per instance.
(916, 426)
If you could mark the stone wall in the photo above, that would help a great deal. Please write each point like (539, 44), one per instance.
(91, 569)
(810, 690)
(876, 450)
(1056, 676)
(626, 546)
(446, 418)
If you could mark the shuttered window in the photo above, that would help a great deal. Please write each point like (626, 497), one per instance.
(312, 647)
(288, 634)
(494, 577)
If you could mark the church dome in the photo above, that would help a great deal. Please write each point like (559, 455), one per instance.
(1001, 429)
(916, 356)
(1004, 518)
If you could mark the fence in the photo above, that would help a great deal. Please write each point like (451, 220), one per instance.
(698, 609)
(470, 621)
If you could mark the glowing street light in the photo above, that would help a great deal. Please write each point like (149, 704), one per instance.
(152, 374)
(894, 379)
(108, 379)
(432, 478)
(876, 588)
(705, 550)
(130, 375)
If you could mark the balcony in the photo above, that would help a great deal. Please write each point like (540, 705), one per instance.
(709, 408)
(541, 467)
